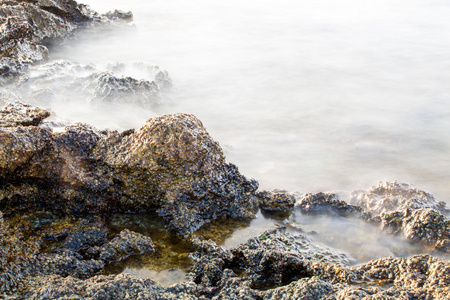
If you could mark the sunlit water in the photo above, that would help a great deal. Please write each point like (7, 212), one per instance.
(303, 95)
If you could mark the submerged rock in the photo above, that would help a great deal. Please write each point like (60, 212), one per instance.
(171, 163)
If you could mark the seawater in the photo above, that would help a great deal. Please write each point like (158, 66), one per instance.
(303, 95)
(170, 262)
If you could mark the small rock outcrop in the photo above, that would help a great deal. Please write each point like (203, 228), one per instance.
(26, 26)
(55, 81)
(402, 209)
(276, 201)
(327, 203)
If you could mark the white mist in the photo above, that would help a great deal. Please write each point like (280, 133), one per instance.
(303, 95)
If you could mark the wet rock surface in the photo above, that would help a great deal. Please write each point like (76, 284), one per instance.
(402, 209)
(276, 201)
(171, 163)
(327, 203)
(26, 26)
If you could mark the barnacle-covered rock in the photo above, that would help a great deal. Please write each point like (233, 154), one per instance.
(423, 276)
(98, 287)
(277, 258)
(126, 243)
(276, 201)
(327, 203)
(401, 209)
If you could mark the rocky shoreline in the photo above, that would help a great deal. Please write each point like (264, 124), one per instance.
(58, 188)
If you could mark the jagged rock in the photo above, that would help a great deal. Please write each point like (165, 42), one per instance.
(389, 197)
(273, 259)
(171, 163)
(401, 209)
(66, 263)
(16, 114)
(25, 26)
(326, 203)
(276, 201)
(98, 287)
(56, 81)
(277, 258)
(125, 244)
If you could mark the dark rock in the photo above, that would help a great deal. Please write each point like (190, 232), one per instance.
(125, 244)
(276, 201)
(326, 203)
(98, 287)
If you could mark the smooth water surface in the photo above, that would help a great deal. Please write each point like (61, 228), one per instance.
(303, 95)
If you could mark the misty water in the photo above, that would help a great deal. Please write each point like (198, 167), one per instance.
(303, 95)
(307, 96)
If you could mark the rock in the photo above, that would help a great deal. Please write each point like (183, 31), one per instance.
(98, 287)
(16, 114)
(66, 263)
(171, 163)
(401, 209)
(421, 276)
(278, 258)
(25, 26)
(327, 203)
(389, 197)
(55, 82)
(276, 201)
(125, 244)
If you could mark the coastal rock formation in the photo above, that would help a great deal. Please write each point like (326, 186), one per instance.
(55, 82)
(327, 203)
(275, 265)
(389, 197)
(170, 164)
(26, 26)
(276, 201)
(402, 209)
(36, 244)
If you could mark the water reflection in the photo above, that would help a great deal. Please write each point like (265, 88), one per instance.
(170, 262)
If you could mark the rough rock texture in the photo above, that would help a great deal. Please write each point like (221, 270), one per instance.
(390, 197)
(25, 26)
(275, 265)
(36, 244)
(413, 213)
(55, 82)
(327, 203)
(275, 258)
(171, 163)
(125, 244)
(12, 115)
(276, 201)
